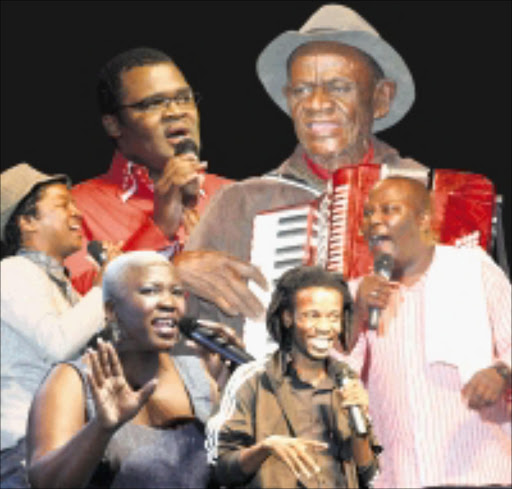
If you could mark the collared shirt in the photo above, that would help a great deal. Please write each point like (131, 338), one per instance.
(119, 206)
(324, 174)
(429, 434)
(315, 414)
(57, 272)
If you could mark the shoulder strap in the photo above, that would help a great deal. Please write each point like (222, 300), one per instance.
(196, 382)
(81, 369)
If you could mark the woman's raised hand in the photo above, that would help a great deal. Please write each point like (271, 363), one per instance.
(116, 402)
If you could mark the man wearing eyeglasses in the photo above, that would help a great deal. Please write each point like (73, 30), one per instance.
(156, 187)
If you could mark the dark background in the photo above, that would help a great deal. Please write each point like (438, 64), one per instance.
(458, 53)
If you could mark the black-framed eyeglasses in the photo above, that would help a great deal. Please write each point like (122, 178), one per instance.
(185, 99)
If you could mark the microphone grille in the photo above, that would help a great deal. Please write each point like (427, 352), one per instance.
(186, 325)
(186, 146)
(95, 249)
(384, 263)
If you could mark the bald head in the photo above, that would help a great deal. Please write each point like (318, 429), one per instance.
(409, 189)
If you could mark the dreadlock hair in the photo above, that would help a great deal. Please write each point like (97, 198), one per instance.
(27, 207)
(285, 293)
(108, 88)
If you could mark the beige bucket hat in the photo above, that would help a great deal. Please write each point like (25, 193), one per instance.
(15, 184)
(340, 24)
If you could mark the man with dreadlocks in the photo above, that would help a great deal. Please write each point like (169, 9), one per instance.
(286, 420)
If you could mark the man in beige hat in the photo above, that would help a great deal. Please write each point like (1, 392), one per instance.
(43, 319)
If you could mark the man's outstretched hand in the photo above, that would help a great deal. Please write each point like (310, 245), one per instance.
(222, 279)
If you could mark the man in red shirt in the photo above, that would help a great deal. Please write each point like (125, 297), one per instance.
(156, 187)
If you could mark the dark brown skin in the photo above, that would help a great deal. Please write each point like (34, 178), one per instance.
(318, 316)
(56, 229)
(333, 99)
(222, 279)
(135, 380)
(143, 136)
(398, 209)
(146, 137)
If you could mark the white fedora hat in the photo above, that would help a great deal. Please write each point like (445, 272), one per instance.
(340, 24)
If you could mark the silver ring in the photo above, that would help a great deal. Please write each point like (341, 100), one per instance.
(374, 293)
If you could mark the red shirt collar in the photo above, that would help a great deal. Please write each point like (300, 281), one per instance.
(325, 174)
(133, 179)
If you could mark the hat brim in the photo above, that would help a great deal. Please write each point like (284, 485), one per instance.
(271, 67)
(40, 179)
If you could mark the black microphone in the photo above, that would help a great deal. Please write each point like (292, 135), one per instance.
(190, 190)
(200, 333)
(186, 146)
(354, 412)
(96, 250)
(384, 267)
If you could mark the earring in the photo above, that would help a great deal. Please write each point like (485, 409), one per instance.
(114, 330)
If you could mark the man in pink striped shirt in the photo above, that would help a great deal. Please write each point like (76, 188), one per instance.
(437, 367)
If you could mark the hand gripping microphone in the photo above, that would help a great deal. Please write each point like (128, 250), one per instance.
(384, 267)
(354, 412)
(198, 332)
(190, 190)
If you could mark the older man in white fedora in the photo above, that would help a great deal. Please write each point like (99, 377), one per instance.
(340, 82)
(43, 319)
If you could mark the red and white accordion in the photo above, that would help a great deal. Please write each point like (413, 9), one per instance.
(327, 230)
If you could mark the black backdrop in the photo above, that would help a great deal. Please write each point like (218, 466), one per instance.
(458, 53)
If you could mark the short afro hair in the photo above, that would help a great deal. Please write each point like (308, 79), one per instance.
(108, 88)
(285, 293)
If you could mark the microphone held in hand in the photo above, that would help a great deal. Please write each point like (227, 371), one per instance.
(354, 412)
(384, 267)
(191, 189)
(200, 333)
(186, 146)
(96, 250)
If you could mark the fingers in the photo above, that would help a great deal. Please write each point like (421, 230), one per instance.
(115, 364)
(112, 250)
(222, 330)
(353, 394)
(104, 358)
(221, 279)
(249, 272)
(375, 291)
(294, 452)
(228, 292)
(179, 171)
(96, 370)
(190, 219)
(484, 389)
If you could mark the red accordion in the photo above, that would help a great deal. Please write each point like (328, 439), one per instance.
(327, 231)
